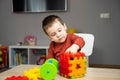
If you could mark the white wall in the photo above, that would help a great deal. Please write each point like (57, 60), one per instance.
(82, 14)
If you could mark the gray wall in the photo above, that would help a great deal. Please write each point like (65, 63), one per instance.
(82, 14)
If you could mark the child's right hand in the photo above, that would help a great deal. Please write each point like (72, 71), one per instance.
(73, 49)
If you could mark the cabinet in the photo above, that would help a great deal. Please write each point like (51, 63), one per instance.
(25, 54)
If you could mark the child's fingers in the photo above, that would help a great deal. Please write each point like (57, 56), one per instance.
(71, 50)
(68, 50)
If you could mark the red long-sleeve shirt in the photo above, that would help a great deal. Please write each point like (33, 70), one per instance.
(56, 49)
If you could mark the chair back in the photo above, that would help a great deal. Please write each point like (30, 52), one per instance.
(89, 42)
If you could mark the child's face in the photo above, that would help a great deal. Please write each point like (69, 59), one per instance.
(57, 32)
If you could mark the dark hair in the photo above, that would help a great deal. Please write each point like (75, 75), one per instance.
(47, 22)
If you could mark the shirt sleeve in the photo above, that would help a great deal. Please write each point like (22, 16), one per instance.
(78, 40)
(50, 51)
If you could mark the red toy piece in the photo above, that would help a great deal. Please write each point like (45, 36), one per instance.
(17, 78)
(72, 65)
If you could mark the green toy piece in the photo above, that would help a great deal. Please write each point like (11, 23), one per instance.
(49, 69)
(0, 56)
(53, 61)
(0, 59)
(0, 52)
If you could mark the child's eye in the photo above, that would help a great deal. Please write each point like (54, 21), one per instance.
(53, 34)
(59, 30)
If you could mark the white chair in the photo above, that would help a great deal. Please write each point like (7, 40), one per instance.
(89, 42)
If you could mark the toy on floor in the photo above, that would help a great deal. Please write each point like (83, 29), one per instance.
(72, 65)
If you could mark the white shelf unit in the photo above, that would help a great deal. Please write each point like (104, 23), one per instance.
(30, 54)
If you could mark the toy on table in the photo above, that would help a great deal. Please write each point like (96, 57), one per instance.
(49, 69)
(72, 65)
(33, 74)
(17, 78)
(30, 40)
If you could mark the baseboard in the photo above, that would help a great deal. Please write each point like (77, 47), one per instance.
(104, 66)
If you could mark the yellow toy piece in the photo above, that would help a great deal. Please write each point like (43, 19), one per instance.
(71, 30)
(33, 74)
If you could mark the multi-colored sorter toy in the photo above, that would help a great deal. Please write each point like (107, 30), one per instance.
(72, 65)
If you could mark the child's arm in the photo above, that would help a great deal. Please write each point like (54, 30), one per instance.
(73, 49)
(78, 43)
(50, 52)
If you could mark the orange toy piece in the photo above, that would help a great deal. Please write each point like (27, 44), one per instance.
(73, 65)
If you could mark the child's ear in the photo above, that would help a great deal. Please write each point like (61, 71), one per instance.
(65, 26)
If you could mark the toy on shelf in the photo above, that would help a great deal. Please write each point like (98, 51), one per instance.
(3, 56)
(72, 65)
(49, 69)
(30, 40)
(71, 30)
(0, 56)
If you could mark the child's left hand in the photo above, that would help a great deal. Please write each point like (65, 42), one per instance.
(73, 49)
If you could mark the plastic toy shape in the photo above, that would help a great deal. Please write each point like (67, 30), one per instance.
(17, 78)
(30, 40)
(0, 56)
(72, 65)
(49, 69)
(33, 74)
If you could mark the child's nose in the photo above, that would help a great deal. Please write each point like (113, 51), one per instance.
(58, 35)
